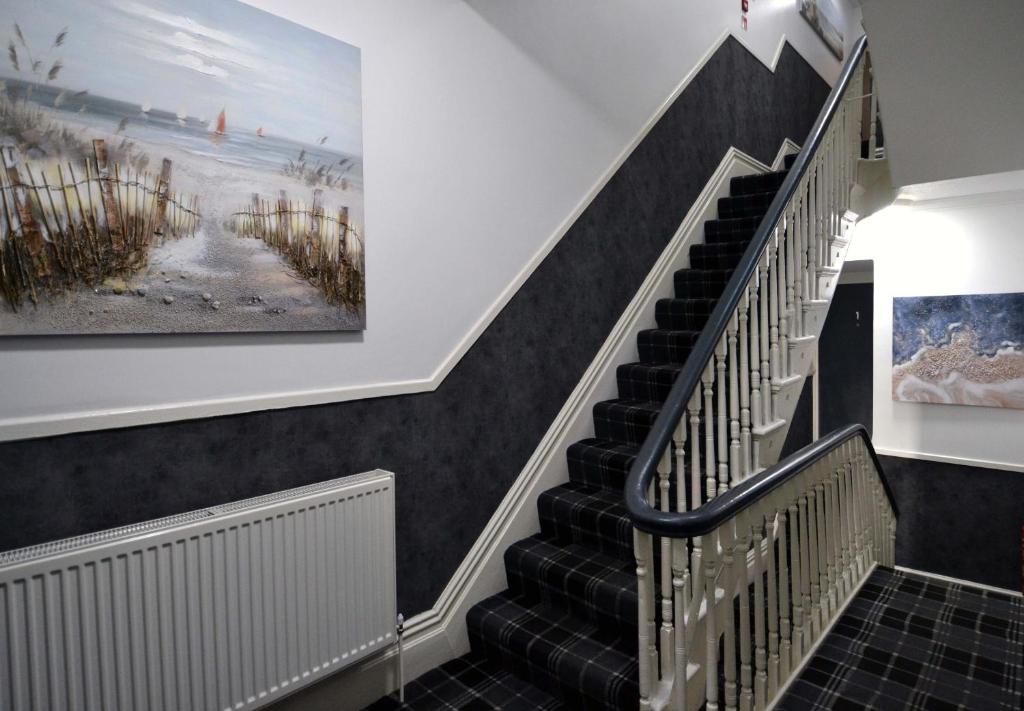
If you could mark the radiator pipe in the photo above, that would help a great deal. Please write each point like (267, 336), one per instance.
(401, 671)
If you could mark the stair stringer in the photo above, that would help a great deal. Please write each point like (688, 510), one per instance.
(770, 438)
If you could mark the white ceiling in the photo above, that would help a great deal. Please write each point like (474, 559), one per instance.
(951, 86)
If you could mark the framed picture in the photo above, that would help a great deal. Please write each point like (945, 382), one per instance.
(177, 166)
(823, 18)
(959, 350)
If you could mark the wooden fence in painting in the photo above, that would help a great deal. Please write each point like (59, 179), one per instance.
(319, 244)
(61, 226)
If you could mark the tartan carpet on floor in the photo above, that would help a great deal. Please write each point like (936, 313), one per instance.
(911, 642)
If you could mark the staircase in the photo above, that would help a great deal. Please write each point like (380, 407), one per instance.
(564, 635)
(607, 604)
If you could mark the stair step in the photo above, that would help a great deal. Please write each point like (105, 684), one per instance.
(470, 682)
(659, 345)
(700, 283)
(789, 160)
(754, 205)
(764, 182)
(626, 421)
(596, 518)
(600, 463)
(737, 229)
(716, 256)
(683, 314)
(592, 586)
(646, 381)
(580, 663)
(768, 428)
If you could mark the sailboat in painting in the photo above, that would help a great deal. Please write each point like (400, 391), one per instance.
(221, 127)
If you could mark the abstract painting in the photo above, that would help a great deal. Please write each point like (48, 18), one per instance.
(959, 350)
(822, 16)
(177, 166)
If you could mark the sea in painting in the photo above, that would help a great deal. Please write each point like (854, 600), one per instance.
(177, 166)
(959, 350)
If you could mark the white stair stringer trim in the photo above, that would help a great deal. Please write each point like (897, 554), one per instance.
(439, 634)
(771, 436)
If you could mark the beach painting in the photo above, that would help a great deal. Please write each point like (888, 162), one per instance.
(177, 166)
(959, 350)
(823, 17)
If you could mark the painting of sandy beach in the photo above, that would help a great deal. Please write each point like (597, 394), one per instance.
(177, 166)
(959, 350)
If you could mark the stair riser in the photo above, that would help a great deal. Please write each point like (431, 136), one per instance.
(715, 261)
(606, 470)
(751, 184)
(665, 348)
(681, 321)
(652, 386)
(734, 208)
(688, 286)
(626, 431)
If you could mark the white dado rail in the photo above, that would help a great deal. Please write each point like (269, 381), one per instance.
(725, 420)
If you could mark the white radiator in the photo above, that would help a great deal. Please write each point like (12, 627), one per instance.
(229, 607)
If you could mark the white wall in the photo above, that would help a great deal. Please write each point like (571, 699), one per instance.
(487, 126)
(949, 76)
(967, 244)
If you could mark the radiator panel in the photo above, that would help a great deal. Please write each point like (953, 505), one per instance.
(231, 607)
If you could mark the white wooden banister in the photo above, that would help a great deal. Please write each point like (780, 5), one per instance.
(816, 536)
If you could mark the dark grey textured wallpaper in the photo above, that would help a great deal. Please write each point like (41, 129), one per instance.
(455, 451)
(958, 520)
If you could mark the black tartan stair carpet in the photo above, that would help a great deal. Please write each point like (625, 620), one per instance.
(564, 635)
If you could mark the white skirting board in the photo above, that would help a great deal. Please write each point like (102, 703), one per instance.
(439, 634)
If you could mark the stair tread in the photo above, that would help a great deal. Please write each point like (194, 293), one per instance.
(470, 683)
(687, 314)
(624, 419)
(600, 462)
(647, 381)
(556, 651)
(573, 577)
(587, 515)
(666, 344)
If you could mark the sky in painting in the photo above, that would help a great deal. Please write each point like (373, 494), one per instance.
(995, 320)
(200, 56)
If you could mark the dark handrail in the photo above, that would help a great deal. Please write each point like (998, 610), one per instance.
(644, 516)
(722, 508)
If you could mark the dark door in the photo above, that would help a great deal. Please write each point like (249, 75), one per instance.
(844, 359)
